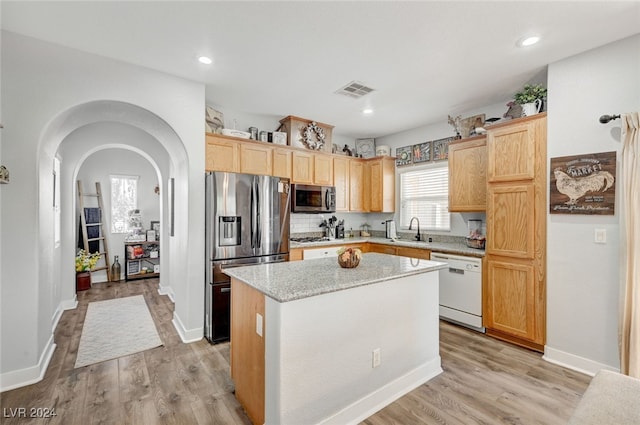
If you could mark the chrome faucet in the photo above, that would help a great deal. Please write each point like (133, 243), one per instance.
(411, 224)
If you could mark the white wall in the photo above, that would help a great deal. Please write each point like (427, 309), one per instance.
(42, 105)
(583, 278)
(97, 168)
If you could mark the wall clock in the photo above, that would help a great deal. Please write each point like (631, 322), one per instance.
(366, 148)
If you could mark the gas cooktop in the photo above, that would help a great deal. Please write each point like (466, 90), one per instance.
(310, 239)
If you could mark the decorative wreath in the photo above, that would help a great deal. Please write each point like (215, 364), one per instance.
(313, 136)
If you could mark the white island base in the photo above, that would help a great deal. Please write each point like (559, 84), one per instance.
(317, 353)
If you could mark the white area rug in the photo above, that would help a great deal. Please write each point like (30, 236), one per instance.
(116, 328)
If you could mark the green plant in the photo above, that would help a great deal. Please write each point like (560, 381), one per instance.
(530, 93)
(86, 261)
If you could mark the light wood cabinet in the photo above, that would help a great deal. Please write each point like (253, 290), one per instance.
(222, 154)
(323, 169)
(382, 183)
(341, 182)
(468, 175)
(295, 254)
(256, 159)
(356, 185)
(402, 251)
(510, 300)
(512, 152)
(515, 288)
(282, 162)
(302, 170)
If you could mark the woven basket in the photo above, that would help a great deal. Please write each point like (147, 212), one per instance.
(350, 263)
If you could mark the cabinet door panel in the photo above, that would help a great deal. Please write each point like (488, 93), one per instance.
(302, 168)
(424, 254)
(255, 159)
(222, 155)
(511, 153)
(356, 185)
(510, 300)
(383, 249)
(323, 169)
(282, 163)
(468, 176)
(510, 230)
(341, 182)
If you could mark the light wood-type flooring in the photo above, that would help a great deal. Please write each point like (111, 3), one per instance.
(485, 381)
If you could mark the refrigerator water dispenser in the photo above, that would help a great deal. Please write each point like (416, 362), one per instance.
(229, 230)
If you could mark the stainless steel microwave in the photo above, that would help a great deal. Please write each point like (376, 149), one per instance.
(313, 199)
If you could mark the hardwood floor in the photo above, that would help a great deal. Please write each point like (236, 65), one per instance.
(485, 381)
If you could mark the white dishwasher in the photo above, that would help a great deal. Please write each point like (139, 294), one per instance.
(461, 290)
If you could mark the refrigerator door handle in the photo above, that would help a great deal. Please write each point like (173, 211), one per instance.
(253, 212)
(258, 224)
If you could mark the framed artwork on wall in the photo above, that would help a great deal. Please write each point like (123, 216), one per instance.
(441, 149)
(403, 155)
(422, 152)
(583, 184)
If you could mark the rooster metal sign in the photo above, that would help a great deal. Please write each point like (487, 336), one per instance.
(583, 184)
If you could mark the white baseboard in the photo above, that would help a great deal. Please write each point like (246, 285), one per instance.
(64, 305)
(31, 375)
(574, 362)
(168, 291)
(187, 335)
(367, 406)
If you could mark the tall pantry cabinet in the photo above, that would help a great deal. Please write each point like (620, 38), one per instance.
(515, 284)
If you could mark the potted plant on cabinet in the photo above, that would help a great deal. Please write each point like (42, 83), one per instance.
(84, 263)
(531, 97)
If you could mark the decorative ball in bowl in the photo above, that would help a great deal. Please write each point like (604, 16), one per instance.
(349, 258)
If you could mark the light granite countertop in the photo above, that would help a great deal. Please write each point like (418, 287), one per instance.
(289, 281)
(448, 247)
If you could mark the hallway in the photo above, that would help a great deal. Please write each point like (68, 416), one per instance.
(174, 384)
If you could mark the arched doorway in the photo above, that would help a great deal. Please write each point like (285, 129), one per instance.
(71, 137)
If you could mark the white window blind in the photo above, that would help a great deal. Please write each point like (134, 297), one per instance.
(124, 198)
(424, 193)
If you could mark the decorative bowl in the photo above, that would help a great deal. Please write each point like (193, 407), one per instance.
(349, 258)
(235, 133)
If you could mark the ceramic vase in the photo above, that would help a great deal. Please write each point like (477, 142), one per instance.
(532, 108)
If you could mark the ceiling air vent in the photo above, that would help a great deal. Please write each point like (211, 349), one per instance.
(355, 90)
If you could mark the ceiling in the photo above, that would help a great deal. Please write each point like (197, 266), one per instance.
(425, 60)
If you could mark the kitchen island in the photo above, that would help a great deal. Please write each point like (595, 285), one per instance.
(313, 343)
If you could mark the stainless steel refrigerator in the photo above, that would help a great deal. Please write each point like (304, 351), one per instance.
(247, 222)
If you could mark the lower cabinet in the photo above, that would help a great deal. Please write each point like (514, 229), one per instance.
(402, 251)
(514, 302)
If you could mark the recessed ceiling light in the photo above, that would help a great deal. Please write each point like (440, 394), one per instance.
(367, 111)
(205, 60)
(528, 41)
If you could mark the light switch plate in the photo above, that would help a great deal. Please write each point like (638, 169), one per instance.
(600, 236)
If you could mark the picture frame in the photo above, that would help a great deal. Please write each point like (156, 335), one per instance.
(583, 184)
(440, 149)
(133, 267)
(469, 124)
(155, 225)
(366, 148)
(403, 156)
(421, 152)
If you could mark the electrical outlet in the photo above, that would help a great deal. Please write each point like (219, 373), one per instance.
(259, 324)
(375, 358)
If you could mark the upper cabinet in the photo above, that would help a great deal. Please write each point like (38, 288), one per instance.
(341, 182)
(256, 159)
(222, 154)
(362, 185)
(382, 178)
(323, 169)
(468, 175)
(512, 152)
